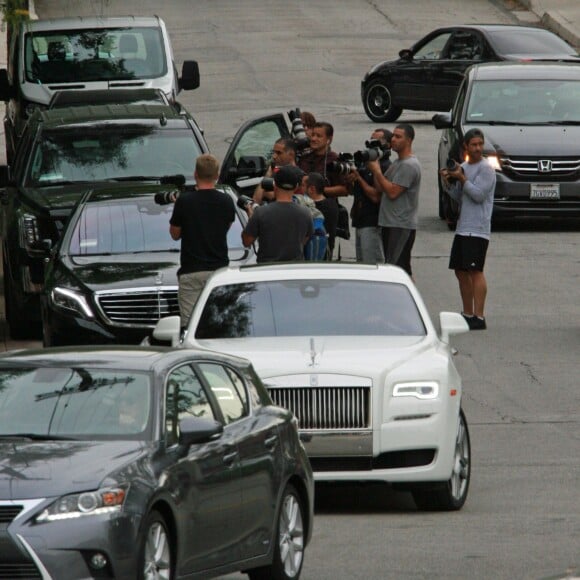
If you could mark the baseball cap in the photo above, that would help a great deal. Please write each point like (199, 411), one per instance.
(287, 177)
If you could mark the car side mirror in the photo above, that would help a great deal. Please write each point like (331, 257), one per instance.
(442, 120)
(189, 79)
(194, 430)
(167, 329)
(452, 323)
(406, 54)
(5, 88)
(249, 166)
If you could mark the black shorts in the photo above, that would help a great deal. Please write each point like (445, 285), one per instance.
(468, 253)
(397, 246)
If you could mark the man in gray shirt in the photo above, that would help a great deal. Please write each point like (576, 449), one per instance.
(400, 196)
(472, 185)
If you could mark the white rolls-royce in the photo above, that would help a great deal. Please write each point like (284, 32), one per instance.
(351, 350)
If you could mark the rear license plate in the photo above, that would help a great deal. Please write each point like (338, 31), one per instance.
(545, 191)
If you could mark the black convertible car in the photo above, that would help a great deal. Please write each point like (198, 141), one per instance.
(147, 463)
(426, 77)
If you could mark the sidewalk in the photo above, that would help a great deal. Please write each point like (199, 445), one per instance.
(561, 16)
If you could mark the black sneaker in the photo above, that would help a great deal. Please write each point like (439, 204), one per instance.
(476, 323)
(468, 318)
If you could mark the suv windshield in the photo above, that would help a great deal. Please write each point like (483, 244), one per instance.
(310, 308)
(110, 151)
(76, 402)
(523, 102)
(78, 56)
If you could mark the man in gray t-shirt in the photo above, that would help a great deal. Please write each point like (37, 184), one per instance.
(399, 202)
(282, 228)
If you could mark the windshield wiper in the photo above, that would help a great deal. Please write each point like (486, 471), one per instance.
(172, 250)
(137, 178)
(36, 437)
(503, 123)
(50, 183)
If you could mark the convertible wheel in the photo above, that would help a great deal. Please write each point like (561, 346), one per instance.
(451, 495)
(289, 549)
(378, 104)
(155, 555)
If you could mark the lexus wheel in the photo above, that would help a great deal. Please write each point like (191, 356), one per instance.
(289, 548)
(451, 495)
(378, 103)
(155, 553)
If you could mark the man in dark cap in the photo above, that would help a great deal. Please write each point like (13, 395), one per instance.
(281, 228)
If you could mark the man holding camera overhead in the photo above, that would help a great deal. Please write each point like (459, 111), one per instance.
(283, 228)
(398, 212)
(201, 220)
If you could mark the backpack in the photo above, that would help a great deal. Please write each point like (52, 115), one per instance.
(316, 248)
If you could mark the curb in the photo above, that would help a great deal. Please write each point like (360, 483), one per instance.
(553, 20)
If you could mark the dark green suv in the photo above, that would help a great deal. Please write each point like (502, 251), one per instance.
(63, 154)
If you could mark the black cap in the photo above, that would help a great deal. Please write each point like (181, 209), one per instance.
(287, 177)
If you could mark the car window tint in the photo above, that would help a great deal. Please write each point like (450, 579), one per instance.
(185, 397)
(103, 152)
(61, 56)
(135, 224)
(530, 43)
(310, 307)
(465, 46)
(75, 402)
(258, 140)
(239, 386)
(225, 391)
(433, 49)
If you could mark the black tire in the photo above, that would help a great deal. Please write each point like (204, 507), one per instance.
(155, 559)
(377, 102)
(289, 547)
(451, 495)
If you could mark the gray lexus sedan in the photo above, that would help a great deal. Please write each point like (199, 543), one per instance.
(142, 462)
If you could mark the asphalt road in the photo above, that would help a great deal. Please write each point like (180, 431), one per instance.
(521, 519)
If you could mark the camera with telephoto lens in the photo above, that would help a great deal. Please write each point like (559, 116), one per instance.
(245, 202)
(343, 165)
(166, 197)
(451, 164)
(375, 150)
(267, 184)
(298, 132)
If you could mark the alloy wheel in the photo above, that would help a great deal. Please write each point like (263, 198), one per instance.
(291, 536)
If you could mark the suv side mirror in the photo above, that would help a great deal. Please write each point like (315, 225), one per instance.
(442, 121)
(189, 79)
(406, 54)
(251, 166)
(5, 88)
(194, 430)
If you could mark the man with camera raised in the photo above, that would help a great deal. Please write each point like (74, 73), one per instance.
(365, 207)
(283, 153)
(201, 220)
(282, 228)
(320, 157)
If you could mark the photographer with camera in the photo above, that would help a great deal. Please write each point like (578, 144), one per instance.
(282, 228)
(472, 185)
(283, 153)
(398, 211)
(320, 157)
(201, 219)
(365, 207)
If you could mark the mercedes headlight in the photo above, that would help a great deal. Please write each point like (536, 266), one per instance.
(493, 160)
(71, 301)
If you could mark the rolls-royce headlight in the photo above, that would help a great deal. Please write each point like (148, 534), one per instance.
(72, 301)
(87, 503)
(419, 390)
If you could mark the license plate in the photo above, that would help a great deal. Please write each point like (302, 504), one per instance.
(545, 191)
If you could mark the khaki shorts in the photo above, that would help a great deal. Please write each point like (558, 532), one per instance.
(190, 287)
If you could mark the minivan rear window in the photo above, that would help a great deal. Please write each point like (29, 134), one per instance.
(78, 56)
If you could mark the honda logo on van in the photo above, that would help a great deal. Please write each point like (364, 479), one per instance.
(544, 166)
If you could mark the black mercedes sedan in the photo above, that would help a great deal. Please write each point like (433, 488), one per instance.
(114, 272)
(147, 463)
(426, 77)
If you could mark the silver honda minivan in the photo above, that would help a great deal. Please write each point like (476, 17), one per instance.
(46, 56)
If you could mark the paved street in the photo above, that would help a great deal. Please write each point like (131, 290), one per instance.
(521, 519)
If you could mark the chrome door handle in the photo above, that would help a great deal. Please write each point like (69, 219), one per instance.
(230, 457)
(270, 442)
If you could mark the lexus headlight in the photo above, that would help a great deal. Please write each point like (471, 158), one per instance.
(71, 301)
(88, 503)
(419, 390)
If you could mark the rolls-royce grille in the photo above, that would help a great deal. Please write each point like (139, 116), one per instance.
(8, 513)
(19, 571)
(326, 407)
(541, 168)
(140, 308)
